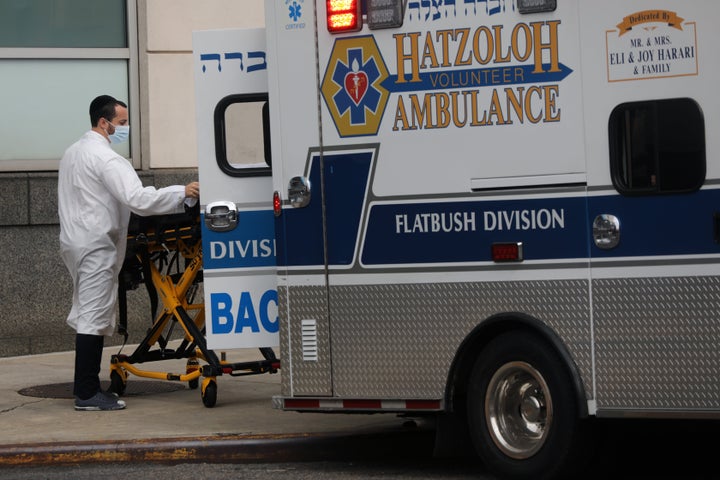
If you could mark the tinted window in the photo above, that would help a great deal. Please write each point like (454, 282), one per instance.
(657, 147)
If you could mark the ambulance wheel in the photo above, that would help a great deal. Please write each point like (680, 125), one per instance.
(208, 392)
(522, 410)
(117, 383)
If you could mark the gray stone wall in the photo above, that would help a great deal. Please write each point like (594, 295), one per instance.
(36, 292)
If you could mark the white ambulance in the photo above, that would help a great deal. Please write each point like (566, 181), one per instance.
(502, 213)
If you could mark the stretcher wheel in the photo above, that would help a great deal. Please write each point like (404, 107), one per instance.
(117, 382)
(209, 392)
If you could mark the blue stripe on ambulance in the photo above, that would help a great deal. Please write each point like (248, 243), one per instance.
(346, 178)
(679, 224)
(463, 231)
(250, 244)
(554, 228)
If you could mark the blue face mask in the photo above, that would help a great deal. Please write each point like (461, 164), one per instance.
(121, 134)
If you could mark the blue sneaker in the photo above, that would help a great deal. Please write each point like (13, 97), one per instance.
(99, 401)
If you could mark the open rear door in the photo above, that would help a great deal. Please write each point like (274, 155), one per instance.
(239, 263)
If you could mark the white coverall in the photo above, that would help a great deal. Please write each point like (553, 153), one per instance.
(97, 190)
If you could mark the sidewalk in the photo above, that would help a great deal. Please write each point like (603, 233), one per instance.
(159, 414)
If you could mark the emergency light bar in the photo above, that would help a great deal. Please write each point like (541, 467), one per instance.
(535, 6)
(343, 15)
(346, 15)
(384, 13)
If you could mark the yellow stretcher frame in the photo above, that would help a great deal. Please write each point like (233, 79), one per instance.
(152, 242)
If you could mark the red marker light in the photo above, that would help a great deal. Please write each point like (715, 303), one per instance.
(277, 204)
(343, 15)
(507, 252)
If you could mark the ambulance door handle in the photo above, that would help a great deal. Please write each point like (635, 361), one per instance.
(606, 231)
(299, 192)
(221, 216)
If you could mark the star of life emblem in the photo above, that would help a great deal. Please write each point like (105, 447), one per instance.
(352, 86)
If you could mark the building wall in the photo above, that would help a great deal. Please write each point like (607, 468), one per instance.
(166, 70)
(35, 291)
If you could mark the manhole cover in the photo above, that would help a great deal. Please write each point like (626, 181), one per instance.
(65, 390)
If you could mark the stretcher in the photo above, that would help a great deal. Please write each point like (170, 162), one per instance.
(155, 248)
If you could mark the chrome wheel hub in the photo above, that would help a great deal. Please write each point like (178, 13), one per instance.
(518, 408)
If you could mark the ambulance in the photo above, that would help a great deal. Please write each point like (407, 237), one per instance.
(500, 214)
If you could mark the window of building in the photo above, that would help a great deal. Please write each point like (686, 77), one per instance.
(63, 23)
(657, 147)
(55, 57)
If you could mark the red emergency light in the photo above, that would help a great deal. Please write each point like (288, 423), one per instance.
(507, 252)
(343, 15)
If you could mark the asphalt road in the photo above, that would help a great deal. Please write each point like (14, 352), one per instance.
(377, 470)
(637, 449)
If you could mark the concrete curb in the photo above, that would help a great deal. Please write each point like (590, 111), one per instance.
(222, 449)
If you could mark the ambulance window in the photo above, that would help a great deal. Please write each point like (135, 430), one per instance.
(242, 135)
(657, 147)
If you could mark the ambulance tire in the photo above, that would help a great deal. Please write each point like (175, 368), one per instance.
(522, 411)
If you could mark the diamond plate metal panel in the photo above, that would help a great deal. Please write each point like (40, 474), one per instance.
(308, 377)
(657, 343)
(284, 349)
(398, 341)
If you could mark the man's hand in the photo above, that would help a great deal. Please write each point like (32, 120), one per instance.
(192, 190)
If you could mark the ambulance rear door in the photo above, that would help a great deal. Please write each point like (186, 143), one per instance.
(239, 267)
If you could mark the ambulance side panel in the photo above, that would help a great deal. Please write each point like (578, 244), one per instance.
(410, 140)
(474, 125)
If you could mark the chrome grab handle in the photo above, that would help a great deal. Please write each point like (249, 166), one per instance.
(221, 216)
(299, 192)
(606, 231)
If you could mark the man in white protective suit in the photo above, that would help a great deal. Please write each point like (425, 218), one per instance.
(97, 191)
